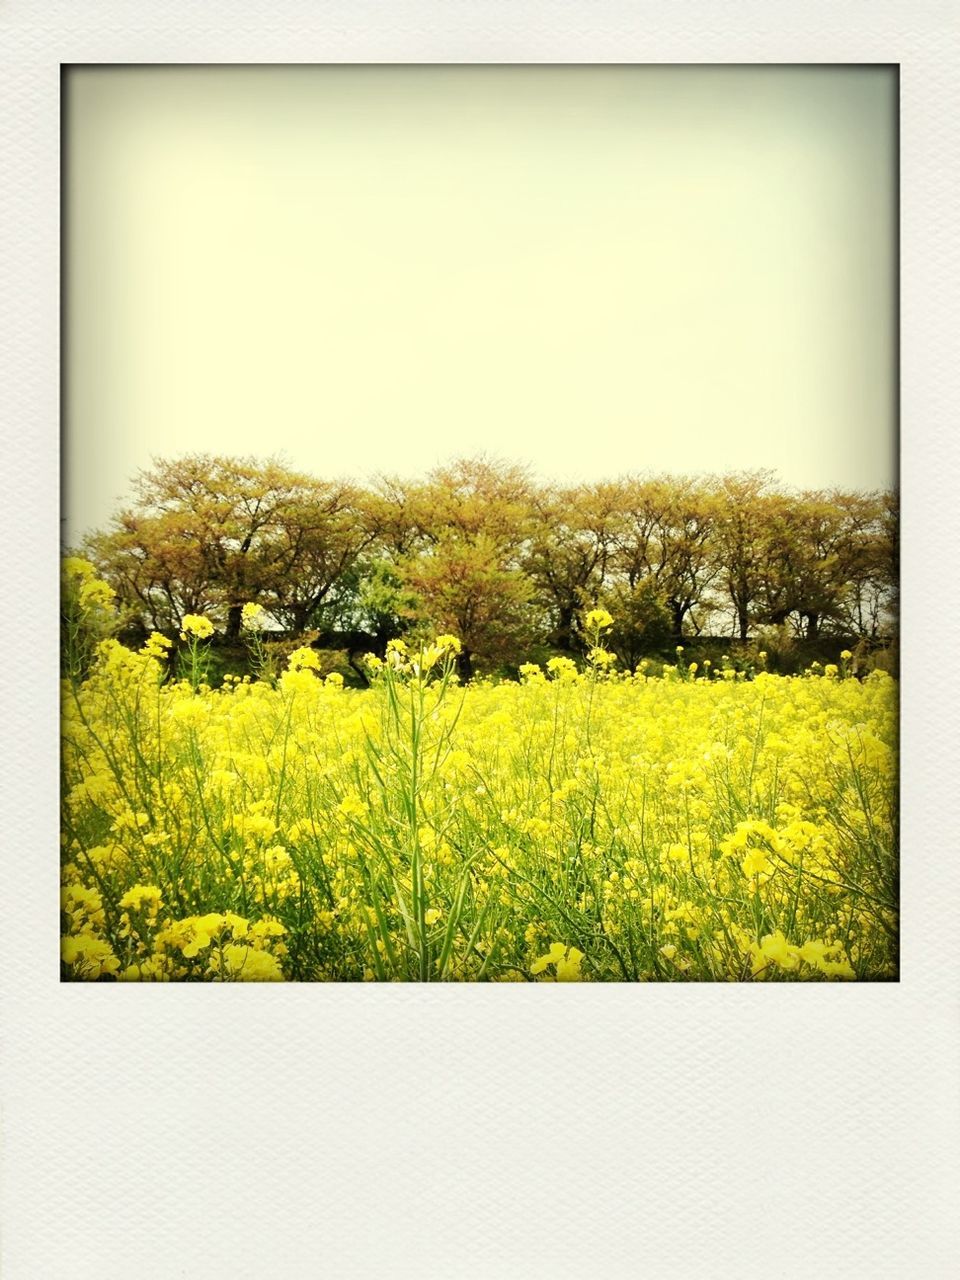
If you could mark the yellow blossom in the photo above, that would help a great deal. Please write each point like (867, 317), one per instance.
(691, 829)
(197, 626)
(598, 620)
(565, 961)
(304, 659)
(89, 957)
(157, 646)
(246, 964)
(756, 863)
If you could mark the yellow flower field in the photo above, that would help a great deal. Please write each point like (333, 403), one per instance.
(588, 826)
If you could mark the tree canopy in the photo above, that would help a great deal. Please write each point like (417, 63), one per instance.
(481, 549)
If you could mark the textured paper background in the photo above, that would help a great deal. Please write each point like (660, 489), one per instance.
(478, 1132)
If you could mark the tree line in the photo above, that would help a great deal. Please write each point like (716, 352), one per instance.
(481, 549)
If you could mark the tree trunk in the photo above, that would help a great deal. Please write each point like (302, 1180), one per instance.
(813, 625)
(234, 620)
(301, 616)
(744, 624)
(678, 613)
(565, 628)
(465, 665)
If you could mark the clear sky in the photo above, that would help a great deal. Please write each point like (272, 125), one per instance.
(591, 270)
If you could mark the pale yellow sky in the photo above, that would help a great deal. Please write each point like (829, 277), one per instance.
(591, 270)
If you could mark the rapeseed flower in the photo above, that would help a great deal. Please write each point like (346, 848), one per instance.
(695, 829)
(89, 957)
(564, 960)
(245, 964)
(157, 646)
(598, 620)
(196, 626)
(304, 659)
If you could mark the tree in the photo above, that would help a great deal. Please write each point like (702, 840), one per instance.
(868, 561)
(382, 603)
(641, 620)
(742, 510)
(475, 498)
(480, 549)
(465, 588)
(159, 567)
(463, 533)
(207, 534)
(310, 548)
(572, 539)
(666, 538)
(825, 550)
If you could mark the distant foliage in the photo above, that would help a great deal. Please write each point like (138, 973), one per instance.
(481, 549)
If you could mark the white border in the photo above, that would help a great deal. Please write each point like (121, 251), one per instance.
(478, 1132)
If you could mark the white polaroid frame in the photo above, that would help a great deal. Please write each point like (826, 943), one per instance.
(474, 1131)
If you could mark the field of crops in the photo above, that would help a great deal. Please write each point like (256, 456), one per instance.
(577, 825)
